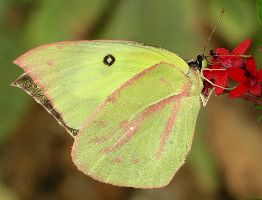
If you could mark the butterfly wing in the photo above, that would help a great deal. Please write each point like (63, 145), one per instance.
(70, 79)
(141, 134)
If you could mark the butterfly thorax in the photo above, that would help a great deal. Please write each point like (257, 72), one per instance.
(195, 80)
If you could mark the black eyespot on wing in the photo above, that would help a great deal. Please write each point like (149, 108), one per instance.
(109, 60)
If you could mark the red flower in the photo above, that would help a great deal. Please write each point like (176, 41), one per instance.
(223, 57)
(218, 76)
(248, 77)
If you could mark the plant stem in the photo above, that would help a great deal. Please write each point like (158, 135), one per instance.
(253, 99)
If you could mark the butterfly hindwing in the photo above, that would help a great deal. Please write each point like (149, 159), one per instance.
(140, 135)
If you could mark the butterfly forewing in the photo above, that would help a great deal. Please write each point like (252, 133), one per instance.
(77, 76)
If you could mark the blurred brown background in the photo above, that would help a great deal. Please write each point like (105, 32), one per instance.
(35, 162)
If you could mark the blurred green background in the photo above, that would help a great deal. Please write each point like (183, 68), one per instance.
(35, 162)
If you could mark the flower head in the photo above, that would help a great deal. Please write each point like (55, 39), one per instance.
(223, 57)
(248, 77)
(217, 75)
(222, 60)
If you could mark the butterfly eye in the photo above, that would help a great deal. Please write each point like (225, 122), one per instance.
(109, 60)
(200, 58)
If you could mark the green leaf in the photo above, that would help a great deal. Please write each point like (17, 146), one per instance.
(258, 107)
(63, 20)
(12, 102)
(259, 11)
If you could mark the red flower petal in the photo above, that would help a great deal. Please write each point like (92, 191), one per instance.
(242, 47)
(208, 74)
(219, 77)
(237, 62)
(255, 90)
(259, 76)
(222, 51)
(215, 67)
(251, 67)
(221, 80)
(219, 58)
(237, 74)
(238, 91)
(206, 87)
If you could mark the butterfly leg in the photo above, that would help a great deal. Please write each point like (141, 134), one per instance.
(205, 99)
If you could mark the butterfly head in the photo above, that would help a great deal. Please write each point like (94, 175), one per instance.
(200, 62)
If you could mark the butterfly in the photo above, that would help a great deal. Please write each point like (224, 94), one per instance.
(130, 108)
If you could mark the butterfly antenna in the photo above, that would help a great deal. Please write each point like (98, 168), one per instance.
(214, 29)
